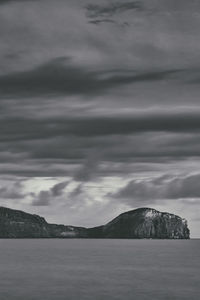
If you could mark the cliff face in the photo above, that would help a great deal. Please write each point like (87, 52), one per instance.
(144, 223)
(139, 223)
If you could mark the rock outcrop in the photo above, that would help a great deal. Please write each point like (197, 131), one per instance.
(139, 223)
(18, 224)
(143, 223)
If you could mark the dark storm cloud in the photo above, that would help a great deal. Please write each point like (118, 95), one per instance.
(89, 169)
(45, 197)
(53, 146)
(60, 77)
(165, 187)
(108, 10)
(89, 158)
(16, 129)
(112, 148)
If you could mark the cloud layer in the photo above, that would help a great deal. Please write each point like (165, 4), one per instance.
(98, 119)
(161, 188)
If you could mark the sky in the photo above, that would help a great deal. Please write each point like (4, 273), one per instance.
(99, 105)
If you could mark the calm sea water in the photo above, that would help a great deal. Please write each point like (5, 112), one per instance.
(53, 269)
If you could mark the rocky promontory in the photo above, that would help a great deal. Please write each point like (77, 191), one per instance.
(144, 223)
(135, 224)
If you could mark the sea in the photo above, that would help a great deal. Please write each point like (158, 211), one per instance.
(99, 269)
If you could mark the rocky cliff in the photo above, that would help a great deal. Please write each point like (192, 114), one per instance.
(139, 223)
(143, 223)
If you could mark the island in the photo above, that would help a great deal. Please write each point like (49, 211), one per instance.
(141, 223)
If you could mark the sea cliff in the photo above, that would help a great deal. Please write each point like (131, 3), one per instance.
(139, 223)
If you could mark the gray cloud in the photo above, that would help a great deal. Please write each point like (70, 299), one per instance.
(45, 197)
(108, 10)
(58, 188)
(22, 129)
(89, 169)
(14, 191)
(99, 14)
(42, 199)
(165, 187)
(76, 192)
(61, 77)
(93, 144)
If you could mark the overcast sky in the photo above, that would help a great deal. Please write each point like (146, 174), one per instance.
(100, 108)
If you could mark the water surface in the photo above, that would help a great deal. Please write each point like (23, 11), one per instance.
(92, 269)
